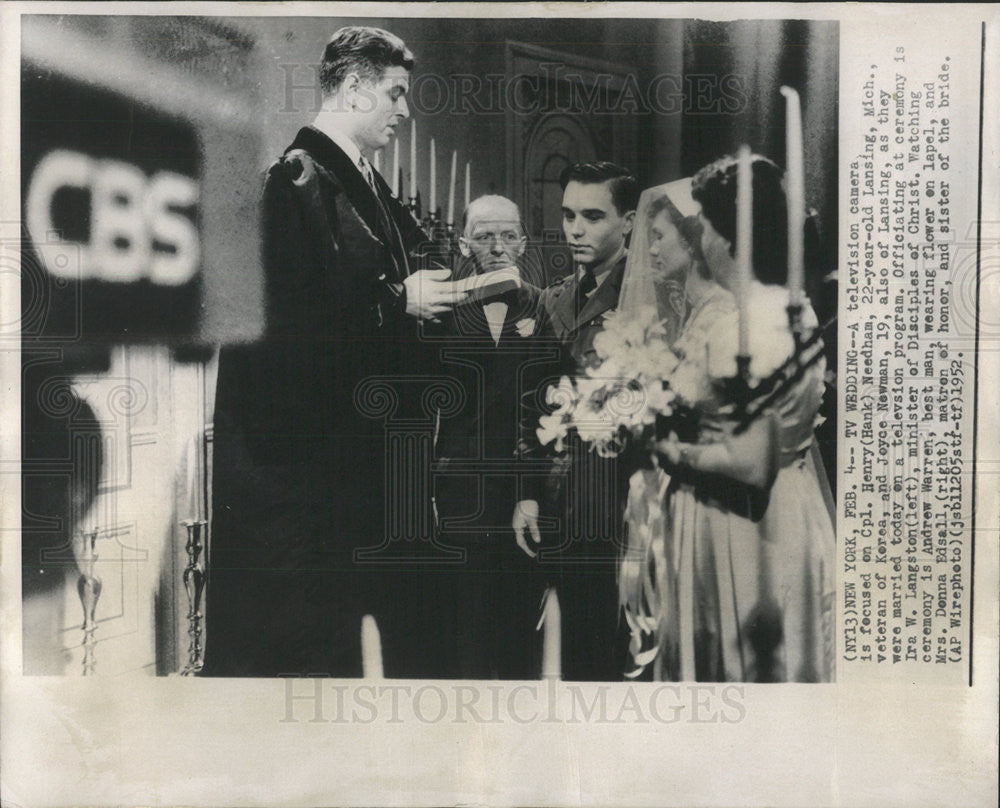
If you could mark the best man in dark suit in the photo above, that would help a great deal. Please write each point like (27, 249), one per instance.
(299, 468)
(584, 492)
(491, 595)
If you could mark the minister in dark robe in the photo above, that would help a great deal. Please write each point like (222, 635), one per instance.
(299, 467)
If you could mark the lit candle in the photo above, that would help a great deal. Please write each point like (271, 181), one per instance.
(397, 177)
(433, 180)
(744, 242)
(413, 160)
(468, 184)
(552, 639)
(378, 161)
(451, 188)
(796, 191)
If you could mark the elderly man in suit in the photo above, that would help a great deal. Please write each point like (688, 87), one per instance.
(299, 477)
(584, 492)
(487, 606)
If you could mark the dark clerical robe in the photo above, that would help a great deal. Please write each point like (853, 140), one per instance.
(299, 469)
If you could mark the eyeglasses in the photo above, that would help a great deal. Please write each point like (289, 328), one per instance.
(506, 237)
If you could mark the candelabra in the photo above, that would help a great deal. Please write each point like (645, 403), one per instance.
(443, 236)
(751, 401)
(432, 223)
(88, 586)
(194, 584)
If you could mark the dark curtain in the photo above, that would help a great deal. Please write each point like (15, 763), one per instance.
(756, 58)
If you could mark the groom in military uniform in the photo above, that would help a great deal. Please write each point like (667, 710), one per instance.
(584, 492)
(299, 470)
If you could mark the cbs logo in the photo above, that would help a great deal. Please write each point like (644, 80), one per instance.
(136, 229)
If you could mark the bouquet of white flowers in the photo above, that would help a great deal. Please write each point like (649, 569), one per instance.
(622, 395)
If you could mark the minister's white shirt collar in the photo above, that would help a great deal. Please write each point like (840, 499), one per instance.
(348, 146)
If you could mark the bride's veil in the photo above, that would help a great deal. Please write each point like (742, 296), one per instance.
(643, 582)
(646, 283)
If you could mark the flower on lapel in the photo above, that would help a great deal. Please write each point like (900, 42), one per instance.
(525, 327)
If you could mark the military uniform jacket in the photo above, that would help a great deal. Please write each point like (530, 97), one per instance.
(583, 491)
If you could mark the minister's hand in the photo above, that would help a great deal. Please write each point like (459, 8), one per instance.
(430, 293)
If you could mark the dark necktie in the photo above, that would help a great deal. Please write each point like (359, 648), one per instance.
(386, 227)
(587, 284)
(366, 172)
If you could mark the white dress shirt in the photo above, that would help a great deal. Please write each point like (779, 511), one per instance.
(496, 313)
(348, 146)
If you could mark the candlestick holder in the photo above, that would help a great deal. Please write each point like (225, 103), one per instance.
(737, 388)
(794, 310)
(88, 586)
(451, 238)
(440, 233)
(414, 206)
(194, 585)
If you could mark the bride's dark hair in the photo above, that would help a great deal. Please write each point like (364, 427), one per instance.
(714, 187)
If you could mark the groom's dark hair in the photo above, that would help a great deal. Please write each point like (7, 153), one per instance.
(365, 51)
(623, 185)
